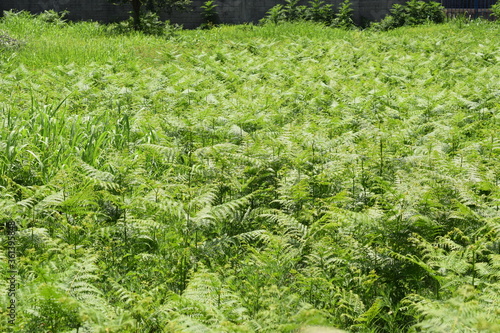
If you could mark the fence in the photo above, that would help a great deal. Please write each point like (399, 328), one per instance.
(472, 8)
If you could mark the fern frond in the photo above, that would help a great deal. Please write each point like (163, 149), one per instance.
(206, 197)
(288, 224)
(125, 296)
(80, 278)
(100, 178)
(187, 324)
(369, 315)
(250, 237)
(52, 200)
(169, 154)
(230, 208)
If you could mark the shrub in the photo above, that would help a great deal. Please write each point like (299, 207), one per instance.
(293, 11)
(150, 25)
(209, 15)
(12, 14)
(53, 17)
(319, 12)
(413, 12)
(275, 15)
(496, 10)
(316, 11)
(343, 18)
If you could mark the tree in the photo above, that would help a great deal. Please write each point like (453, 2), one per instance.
(153, 6)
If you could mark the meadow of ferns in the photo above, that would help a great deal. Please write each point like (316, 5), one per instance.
(251, 179)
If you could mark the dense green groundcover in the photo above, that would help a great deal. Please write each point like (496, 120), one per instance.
(251, 179)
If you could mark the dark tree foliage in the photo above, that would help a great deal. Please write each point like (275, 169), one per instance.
(153, 6)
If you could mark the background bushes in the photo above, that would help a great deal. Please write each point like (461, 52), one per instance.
(315, 11)
(412, 13)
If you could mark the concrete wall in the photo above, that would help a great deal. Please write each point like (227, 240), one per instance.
(374, 10)
(230, 11)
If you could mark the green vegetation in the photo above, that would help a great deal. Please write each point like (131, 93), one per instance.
(7, 42)
(315, 11)
(151, 7)
(150, 25)
(495, 9)
(413, 12)
(209, 15)
(251, 179)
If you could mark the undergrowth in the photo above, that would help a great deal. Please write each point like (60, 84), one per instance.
(413, 12)
(315, 11)
(251, 178)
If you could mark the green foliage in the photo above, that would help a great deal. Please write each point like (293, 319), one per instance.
(209, 15)
(152, 6)
(275, 15)
(319, 12)
(290, 176)
(495, 9)
(53, 17)
(467, 309)
(150, 25)
(316, 11)
(7, 42)
(155, 5)
(413, 12)
(293, 11)
(55, 311)
(466, 273)
(343, 19)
